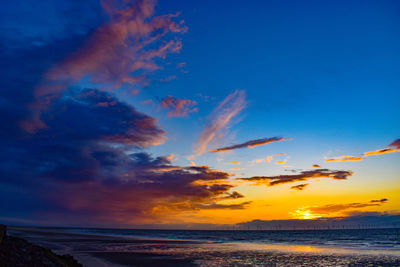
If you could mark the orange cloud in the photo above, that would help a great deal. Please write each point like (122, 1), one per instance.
(302, 176)
(333, 208)
(316, 166)
(395, 143)
(345, 158)
(233, 162)
(236, 169)
(381, 151)
(251, 143)
(219, 120)
(266, 159)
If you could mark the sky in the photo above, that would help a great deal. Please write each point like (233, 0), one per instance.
(130, 113)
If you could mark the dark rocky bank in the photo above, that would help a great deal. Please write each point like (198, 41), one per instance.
(17, 252)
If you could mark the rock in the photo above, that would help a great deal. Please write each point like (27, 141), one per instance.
(19, 252)
(3, 231)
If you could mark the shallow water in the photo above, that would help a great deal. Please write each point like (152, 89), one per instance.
(386, 239)
(121, 247)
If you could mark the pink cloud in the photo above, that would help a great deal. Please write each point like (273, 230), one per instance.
(121, 51)
(219, 120)
(178, 107)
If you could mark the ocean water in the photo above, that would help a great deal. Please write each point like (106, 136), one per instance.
(226, 248)
(370, 239)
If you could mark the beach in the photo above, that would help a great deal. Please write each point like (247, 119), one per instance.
(99, 249)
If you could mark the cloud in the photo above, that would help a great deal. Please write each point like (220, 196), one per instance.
(213, 206)
(302, 176)
(266, 159)
(316, 166)
(232, 163)
(234, 195)
(334, 208)
(119, 52)
(85, 161)
(219, 120)
(178, 107)
(146, 102)
(251, 143)
(395, 143)
(345, 158)
(381, 151)
(280, 162)
(83, 166)
(299, 187)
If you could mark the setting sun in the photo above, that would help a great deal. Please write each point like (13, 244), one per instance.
(304, 214)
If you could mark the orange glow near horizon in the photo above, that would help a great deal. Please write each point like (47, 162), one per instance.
(304, 214)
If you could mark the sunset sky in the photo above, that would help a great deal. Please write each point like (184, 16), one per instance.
(198, 112)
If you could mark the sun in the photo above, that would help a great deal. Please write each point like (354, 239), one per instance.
(304, 214)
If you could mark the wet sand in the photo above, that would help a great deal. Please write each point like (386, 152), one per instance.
(98, 250)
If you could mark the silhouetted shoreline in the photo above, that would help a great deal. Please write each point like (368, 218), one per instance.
(16, 251)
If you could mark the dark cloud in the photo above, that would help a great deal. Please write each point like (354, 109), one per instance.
(178, 107)
(120, 52)
(302, 176)
(86, 161)
(82, 166)
(213, 206)
(251, 143)
(299, 187)
(395, 143)
(233, 195)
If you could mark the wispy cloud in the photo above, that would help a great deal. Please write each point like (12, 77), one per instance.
(178, 107)
(299, 187)
(380, 151)
(214, 206)
(251, 143)
(232, 163)
(345, 158)
(219, 120)
(334, 208)
(395, 144)
(266, 159)
(302, 176)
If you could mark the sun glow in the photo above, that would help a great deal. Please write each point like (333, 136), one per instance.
(304, 214)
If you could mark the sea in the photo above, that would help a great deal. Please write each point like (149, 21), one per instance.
(152, 247)
(388, 238)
